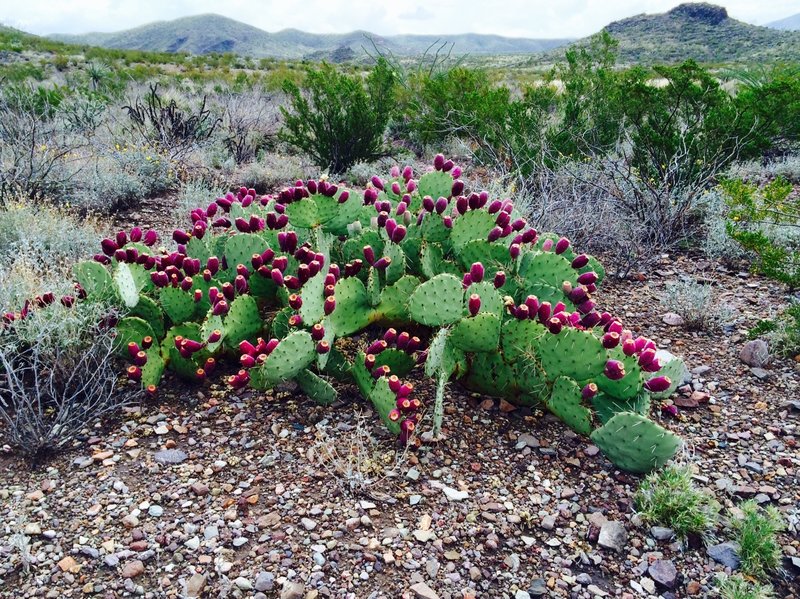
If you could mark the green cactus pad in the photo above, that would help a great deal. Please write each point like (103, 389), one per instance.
(475, 224)
(399, 362)
(546, 293)
(178, 304)
(335, 216)
(242, 321)
(337, 366)
(394, 300)
(634, 443)
(546, 268)
(211, 323)
(148, 310)
(279, 327)
(397, 267)
(433, 229)
(628, 386)
(94, 279)
(520, 337)
(437, 301)
(313, 308)
(317, 388)
(493, 256)
(183, 367)
(432, 261)
(675, 369)
(353, 311)
(240, 248)
(480, 333)
(361, 376)
(354, 247)
(490, 374)
(198, 248)
(573, 353)
(565, 402)
(131, 329)
(293, 354)
(303, 214)
(373, 287)
(153, 369)
(530, 382)
(329, 337)
(491, 300)
(384, 401)
(436, 184)
(126, 285)
(444, 358)
(606, 407)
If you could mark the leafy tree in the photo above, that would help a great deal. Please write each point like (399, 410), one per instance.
(340, 119)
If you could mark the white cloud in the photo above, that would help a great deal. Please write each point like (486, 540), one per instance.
(529, 18)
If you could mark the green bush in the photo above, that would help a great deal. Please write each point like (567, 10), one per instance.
(736, 587)
(765, 222)
(340, 119)
(670, 499)
(756, 533)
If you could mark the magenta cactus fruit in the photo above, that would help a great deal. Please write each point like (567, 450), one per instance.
(562, 245)
(220, 308)
(330, 305)
(589, 391)
(522, 312)
(658, 384)
(134, 373)
(628, 347)
(495, 234)
(587, 278)
(109, 246)
(402, 340)
(382, 263)
(477, 272)
(247, 361)
(554, 325)
(474, 304)
(614, 370)
(377, 183)
(295, 301)
(317, 332)
(610, 340)
(646, 357)
(438, 161)
(457, 189)
(215, 336)
(544, 312)
(390, 336)
(323, 347)
(499, 279)
(547, 245)
(180, 236)
(150, 238)
(377, 347)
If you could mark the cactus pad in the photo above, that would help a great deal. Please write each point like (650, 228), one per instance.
(565, 402)
(437, 301)
(242, 321)
(317, 388)
(293, 355)
(480, 333)
(634, 443)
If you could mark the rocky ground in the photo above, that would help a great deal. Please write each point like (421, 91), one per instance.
(205, 493)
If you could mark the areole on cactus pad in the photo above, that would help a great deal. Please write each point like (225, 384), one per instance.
(460, 284)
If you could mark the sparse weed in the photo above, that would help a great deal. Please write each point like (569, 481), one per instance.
(696, 304)
(669, 498)
(736, 587)
(756, 532)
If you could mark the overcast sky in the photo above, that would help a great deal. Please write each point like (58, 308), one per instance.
(523, 18)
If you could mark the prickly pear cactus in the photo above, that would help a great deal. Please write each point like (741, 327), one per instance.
(286, 284)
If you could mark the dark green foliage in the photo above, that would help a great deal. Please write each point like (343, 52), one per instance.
(763, 222)
(338, 119)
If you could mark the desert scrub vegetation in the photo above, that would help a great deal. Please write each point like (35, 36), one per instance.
(755, 531)
(737, 587)
(670, 498)
(697, 305)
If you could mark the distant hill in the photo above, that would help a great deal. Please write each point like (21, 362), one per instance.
(207, 33)
(703, 32)
(788, 24)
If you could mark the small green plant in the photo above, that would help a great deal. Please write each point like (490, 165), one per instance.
(756, 532)
(736, 587)
(669, 498)
(782, 332)
(340, 119)
(765, 221)
(695, 303)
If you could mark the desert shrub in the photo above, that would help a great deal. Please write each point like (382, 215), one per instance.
(696, 304)
(782, 332)
(765, 222)
(47, 397)
(715, 240)
(669, 498)
(756, 533)
(506, 310)
(737, 587)
(249, 125)
(172, 128)
(339, 119)
(271, 170)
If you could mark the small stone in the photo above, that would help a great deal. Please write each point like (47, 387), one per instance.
(613, 536)
(726, 554)
(423, 591)
(32, 529)
(156, 511)
(527, 440)
(412, 474)
(548, 522)
(538, 587)
(693, 588)
(308, 523)
(475, 573)
(414, 499)
(759, 373)
(195, 585)
(454, 494)
(522, 595)
(265, 581)
(292, 590)
(132, 569)
(200, 489)
(170, 456)
(423, 536)
(662, 533)
(193, 543)
(672, 319)
(68, 564)
(755, 353)
(243, 584)
(663, 572)
(512, 561)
